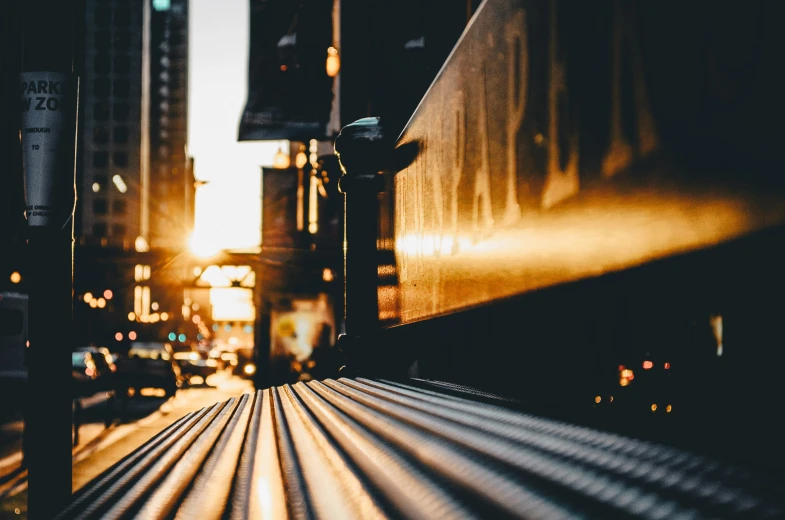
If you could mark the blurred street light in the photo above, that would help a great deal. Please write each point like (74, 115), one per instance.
(333, 64)
(16, 277)
(280, 160)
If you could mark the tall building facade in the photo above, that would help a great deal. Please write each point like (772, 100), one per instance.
(136, 184)
(171, 178)
(114, 148)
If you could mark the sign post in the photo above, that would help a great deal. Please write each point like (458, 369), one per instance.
(48, 93)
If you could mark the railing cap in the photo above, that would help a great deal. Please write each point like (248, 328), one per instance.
(364, 147)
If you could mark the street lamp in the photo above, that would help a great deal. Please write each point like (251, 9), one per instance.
(280, 160)
(333, 64)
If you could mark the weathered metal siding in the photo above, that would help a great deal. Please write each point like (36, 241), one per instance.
(565, 140)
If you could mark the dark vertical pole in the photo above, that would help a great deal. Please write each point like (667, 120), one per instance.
(361, 148)
(262, 377)
(49, 46)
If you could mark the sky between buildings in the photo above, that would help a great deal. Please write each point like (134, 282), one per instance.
(228, 207)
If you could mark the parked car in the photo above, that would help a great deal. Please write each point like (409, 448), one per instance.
(193, 364)
(91, 372)
(245, 366)
(150, 365)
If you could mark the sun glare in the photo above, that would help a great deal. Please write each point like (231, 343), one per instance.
(202, 246)
(228, 206)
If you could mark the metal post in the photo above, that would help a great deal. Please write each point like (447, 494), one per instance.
(362, 148)
(48, 137)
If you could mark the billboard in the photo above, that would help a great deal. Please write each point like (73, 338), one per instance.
(289, 92)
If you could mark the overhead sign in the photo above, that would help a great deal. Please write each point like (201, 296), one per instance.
(289, 92)
(47, 146)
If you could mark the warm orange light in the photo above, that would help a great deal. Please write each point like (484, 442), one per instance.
(108, 294)
(621, 367)
(668, 409)
(16, 277)
(100, 302)
(119, 336)
(131, 316)
(327, 275)
(164, 316)
(132, 335)
(624, 382)
(88, 297)
(647, 365)
(333, 64)
(93, 303)
(610, 399)
(667, 366)
(203, 246)
(280, 160)
(196, 319)
(654, 408)
(597, 399)
(300, 159)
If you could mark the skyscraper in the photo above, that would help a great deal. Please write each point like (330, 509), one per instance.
(171, 179)
(136, 186)
(113, 138)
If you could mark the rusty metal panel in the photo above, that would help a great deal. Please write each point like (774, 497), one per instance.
(363, 448)
(564, 140)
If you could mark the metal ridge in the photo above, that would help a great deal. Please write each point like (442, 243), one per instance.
(363, 448)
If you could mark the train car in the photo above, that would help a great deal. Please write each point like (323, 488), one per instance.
(586, 212)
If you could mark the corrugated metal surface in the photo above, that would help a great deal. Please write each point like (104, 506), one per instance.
(360, 448)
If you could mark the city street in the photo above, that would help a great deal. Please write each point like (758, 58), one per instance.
(99, 446)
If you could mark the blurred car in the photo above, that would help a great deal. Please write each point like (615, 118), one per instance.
(192, 364)
(103, 351)
(245, 367)
(150, 365)
(91, 372)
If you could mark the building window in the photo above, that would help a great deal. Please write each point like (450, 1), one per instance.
(100, 135)
(99, 229)
(103, 39)
(99, 207)
(121, 111)
(100, 159)
(103, 16)
(122, 64)
(118, 230)
(122, 16)
(121, 87)
(121, 134)
(101, 111)
(119, 207)
(101, 87)
(102, 64)
(122, 40)
(100, 179)
(120, 159)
